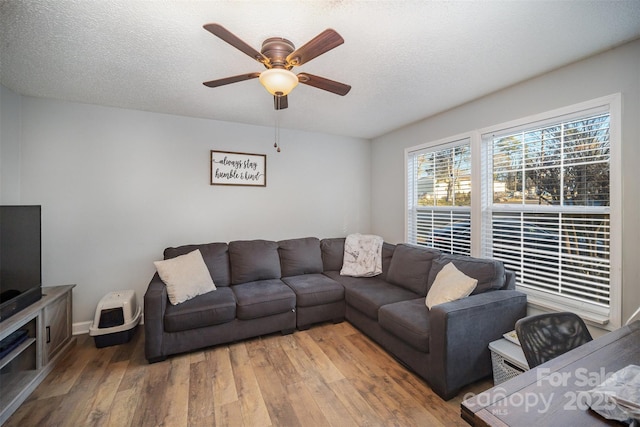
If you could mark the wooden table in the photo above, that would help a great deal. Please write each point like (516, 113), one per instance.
(554, 393)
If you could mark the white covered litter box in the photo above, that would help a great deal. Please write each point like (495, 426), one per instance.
(116, 319)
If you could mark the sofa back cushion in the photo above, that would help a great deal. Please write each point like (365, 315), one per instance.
(410, 266)
(253, 260)
(215, 256)
(387, 255)
(490, 273)
(332, 253)
(300, 256)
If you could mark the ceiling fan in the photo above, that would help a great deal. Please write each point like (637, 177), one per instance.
(279, 56)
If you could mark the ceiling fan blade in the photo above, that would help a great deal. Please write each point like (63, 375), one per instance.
(323, 42)
(280, 102)
(324, 84)
(229, 80)
(224, 34)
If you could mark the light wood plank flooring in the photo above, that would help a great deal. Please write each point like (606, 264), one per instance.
(329, 375)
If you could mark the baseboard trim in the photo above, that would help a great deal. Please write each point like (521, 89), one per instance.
(81, 328)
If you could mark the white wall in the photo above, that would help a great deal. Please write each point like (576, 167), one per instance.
(118, 186)
(10, 147)
(614, 71)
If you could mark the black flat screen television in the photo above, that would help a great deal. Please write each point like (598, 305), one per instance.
(20, 258)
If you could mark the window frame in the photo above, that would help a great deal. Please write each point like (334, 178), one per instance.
(482, 201)
(608, 318)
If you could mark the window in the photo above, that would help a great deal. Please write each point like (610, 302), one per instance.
(547, 203)
(439, 202)
(550, 207)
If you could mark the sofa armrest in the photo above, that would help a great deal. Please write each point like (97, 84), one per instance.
(460, 332)
(155, 305)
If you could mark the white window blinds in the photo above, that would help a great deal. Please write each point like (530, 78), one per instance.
(439, 197)
(550, 207)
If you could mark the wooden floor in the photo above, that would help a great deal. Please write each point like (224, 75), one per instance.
(329, 375)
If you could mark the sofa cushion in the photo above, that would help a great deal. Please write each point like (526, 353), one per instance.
(215, 255)
(212, 308)
(263, 298)
(332, 253)
(490, 273)
(253, 260)
(450, 285)
(410, 267)
(407, 320)
(186, 276)
(369, 294)
(387, 255)
(335, 275)
(300, 256)
(314, 289)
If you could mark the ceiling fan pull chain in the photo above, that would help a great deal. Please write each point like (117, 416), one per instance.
(276, 144)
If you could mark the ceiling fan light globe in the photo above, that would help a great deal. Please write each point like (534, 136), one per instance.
(278, 81)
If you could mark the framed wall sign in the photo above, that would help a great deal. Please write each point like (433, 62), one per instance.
(231, 168)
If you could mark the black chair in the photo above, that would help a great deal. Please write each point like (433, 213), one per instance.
(545, 336)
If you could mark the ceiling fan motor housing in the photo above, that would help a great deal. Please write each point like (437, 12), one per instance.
(277, 49)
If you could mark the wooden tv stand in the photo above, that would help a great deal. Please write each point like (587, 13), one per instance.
(48, 323)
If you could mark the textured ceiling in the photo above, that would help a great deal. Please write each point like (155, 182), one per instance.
(406, 60)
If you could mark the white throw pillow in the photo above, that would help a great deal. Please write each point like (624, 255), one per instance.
(362, 255)
(450, 284)
(186, 276)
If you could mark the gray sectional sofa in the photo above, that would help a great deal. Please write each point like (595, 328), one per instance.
(265, 287)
